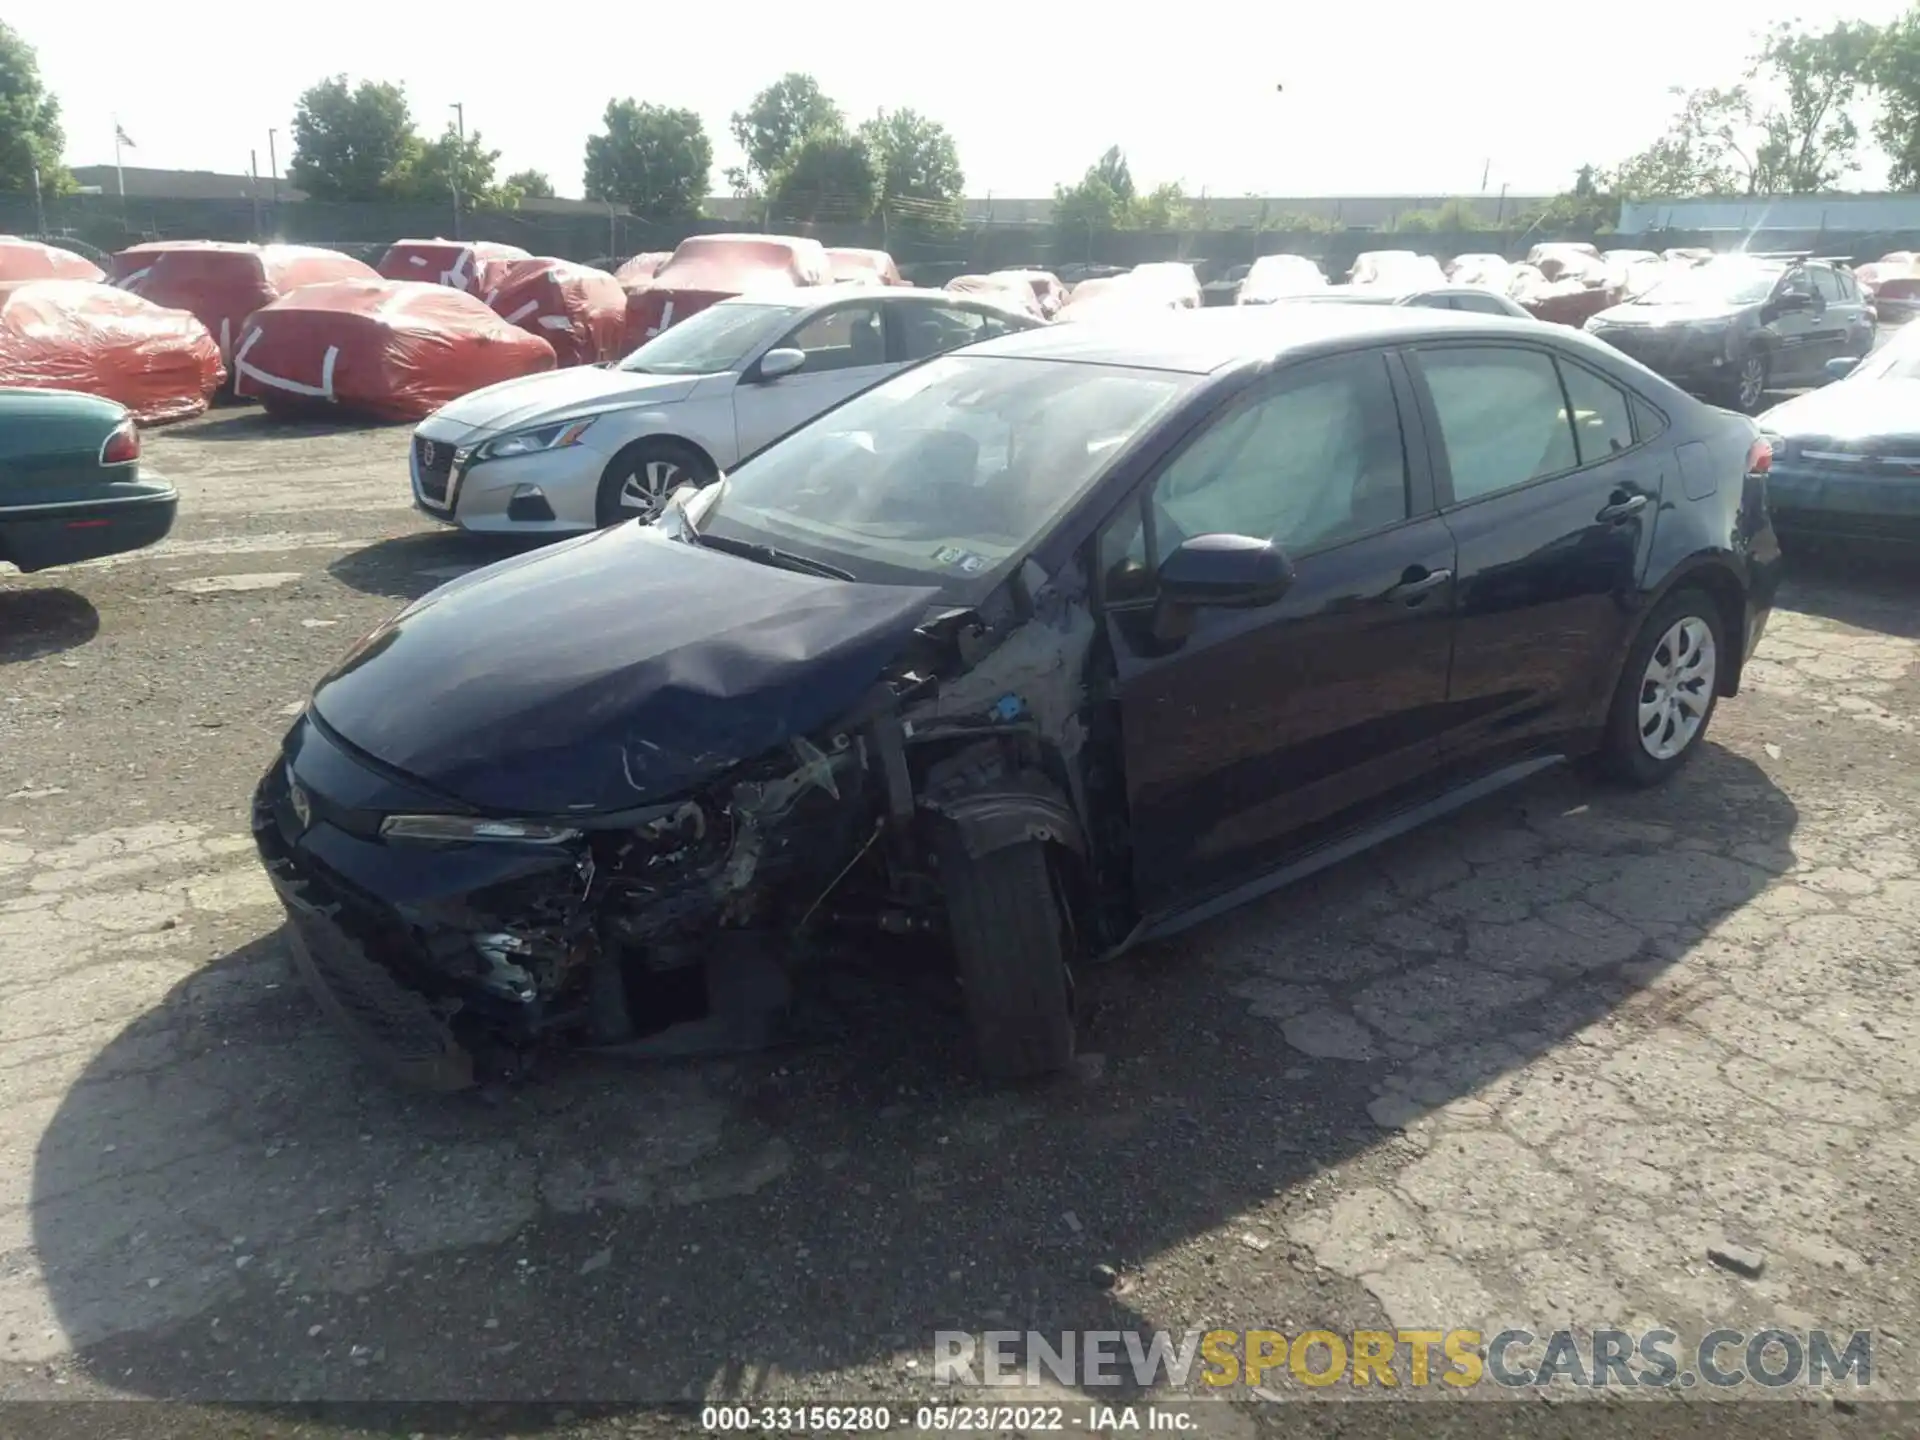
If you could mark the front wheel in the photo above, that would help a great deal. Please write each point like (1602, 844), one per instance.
(1667, 690)
(1012, 948)
(637, 484)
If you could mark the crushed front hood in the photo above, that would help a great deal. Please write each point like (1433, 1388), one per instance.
(610, 671)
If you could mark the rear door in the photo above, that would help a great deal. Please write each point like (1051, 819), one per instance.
(1834, 319)
(1551, 496)
(846, 349)
(1254, 731)
(1794, 318)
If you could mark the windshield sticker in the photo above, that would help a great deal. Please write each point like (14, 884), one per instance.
(964, 560)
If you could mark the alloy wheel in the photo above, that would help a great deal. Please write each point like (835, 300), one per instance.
(1753, 381)
(1677, 688)
(643, 494)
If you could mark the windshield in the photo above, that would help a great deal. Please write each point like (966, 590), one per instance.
(949, 471)
(719, 338)
(1718, 283)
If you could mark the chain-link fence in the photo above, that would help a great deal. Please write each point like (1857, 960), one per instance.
(929, 248)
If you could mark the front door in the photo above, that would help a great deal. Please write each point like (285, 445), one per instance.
(846, 350)
(1551, 495)
(1249, 732)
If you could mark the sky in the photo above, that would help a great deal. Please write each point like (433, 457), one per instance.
(1402, 99)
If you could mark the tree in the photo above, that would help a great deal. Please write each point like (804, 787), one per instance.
(1708, 149)
(1114, 174)
(30, 133)
(918, 165)
(350, 144)
(1089, 206)
(533, 184)
(1894, 68)
(771, 128)
(654, 160)
(1810, 137)
(830, 175)
(1162, 208)
(1103, 200)
(439, 168)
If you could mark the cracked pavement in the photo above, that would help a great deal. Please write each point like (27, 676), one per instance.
(1518, 1069)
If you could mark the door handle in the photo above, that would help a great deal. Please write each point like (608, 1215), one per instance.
(1415, 588)
(1621, 509)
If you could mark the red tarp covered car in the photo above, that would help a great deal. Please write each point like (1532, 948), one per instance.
(1045, 285)
(31, 260)
(224, 283)
(82, 335)
(1014, 295)
(709, 268)
(640, 270)
(132, 263)
(869, 267)
(1111, 296)
(391, 349)
(580, 311)
(473, 266)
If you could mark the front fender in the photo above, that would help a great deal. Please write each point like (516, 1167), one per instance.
(1010, 809)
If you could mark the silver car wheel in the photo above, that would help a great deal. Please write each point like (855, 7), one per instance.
(1753, 381)
(1677, 688)
(643, 495)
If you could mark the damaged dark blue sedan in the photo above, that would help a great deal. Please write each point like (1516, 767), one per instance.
(1041, 648)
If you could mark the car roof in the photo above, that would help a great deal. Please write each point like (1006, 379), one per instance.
(1202, 341)
(814, 297)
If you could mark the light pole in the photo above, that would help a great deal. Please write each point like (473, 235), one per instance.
(459, 161)
(273, 165)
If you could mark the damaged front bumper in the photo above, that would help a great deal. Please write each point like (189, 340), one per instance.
(432, 953)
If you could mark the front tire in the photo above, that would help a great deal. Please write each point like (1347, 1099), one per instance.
(1667, 690)
(1010, 942)
(641, 477)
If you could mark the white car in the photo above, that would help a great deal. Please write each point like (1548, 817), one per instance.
(573, 450)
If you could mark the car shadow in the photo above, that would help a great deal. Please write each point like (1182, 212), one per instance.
(405, 567)
(1869, 588)
(226, 1206)
(37, 623)
(240, 420)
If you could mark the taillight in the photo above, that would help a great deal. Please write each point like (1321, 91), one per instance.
(1760, 456)
(123, 445)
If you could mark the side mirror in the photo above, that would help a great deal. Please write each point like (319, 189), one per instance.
(1790, 301)
(776, 363)
(1225, 571)
(1843, 366)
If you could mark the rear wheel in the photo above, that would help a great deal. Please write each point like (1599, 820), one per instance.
(1667, 690)
(1748, 387)
(641, 478)
(1011, 942)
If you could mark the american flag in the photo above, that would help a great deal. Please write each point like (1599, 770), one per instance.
(121, 137)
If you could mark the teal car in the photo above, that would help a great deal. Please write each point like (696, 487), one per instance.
(71, 484)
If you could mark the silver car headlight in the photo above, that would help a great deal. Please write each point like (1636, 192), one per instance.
(531, 442)
(474, 829)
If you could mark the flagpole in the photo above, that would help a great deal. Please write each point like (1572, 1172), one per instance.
(119, 175)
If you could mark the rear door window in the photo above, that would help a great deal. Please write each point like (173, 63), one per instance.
(1602, 414)
(1503, 416)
